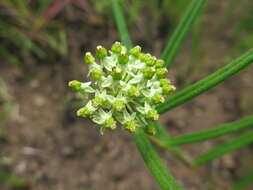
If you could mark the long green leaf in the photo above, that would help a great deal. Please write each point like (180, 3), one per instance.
(121, 24)
(181, 31)
(153, 162)
(243, 182)
(236, 143)
(213, 132)
(209, 82)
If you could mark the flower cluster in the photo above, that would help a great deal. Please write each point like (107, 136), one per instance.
(125, 87)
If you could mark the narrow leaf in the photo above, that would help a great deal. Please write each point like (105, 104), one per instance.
(181, 31)
(236, 143)
(121, 24)
(209, 82)
(153, 162)
(244, 182)
(213, 132)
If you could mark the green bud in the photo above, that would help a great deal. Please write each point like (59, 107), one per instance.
(147, 58)
(167, 89)
(96, 74)
(133, 91)
(117, 47)
(148, 72)
(150, 129)
(101, 52)
(110, 123)
(157, 98)
(161, 73)
(118, 105)
(131, 125)
(83, 112)
(164, 82)
(135, 51)
(159, 63)
(152, 114)
(75, 85)
(123, 58)
(88, 58)
(116, 73)
(98, 102)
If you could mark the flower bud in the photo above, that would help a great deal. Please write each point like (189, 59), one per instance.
(96, 74)
(83, 112)
(167, 89)
(157, 98)
(148, 72)
(116, 73)
(159, 63)
(101, 52)
(88, 58)
(135, 51)
(164, 82)
(131, 125)
(123, 58)
(110, 123)
(98, 102)
(118, 105)
(75, 85)
(161, 73)
(133, 91)
(150, 129)
(152, 114)
(117, 47)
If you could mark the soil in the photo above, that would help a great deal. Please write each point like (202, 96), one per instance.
(49, 147)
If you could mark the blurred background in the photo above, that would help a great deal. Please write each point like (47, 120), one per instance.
(43, 145)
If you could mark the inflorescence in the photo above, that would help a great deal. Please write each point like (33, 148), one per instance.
(125, 88)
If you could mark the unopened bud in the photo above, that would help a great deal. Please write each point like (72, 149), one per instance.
(101, 52)
(83, 112)
(123, 58)
(117, 47)
(148, 72)
(76, 85)
(135, 51)
(161, 73)
(159, 63)
(88, 58)
(97, 74)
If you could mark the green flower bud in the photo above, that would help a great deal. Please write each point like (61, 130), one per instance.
(167, 89)
(152, 114)
(83, 112)
(117, 47)
(157, 98)
(116, 73)
(159, 63)
(148, 72)
(131, 125)
(75, 85)
(161, 73)
(118, 105)
(123, 58)
(150, 129)
(96, 74)
(98, 102)
(88, 58)
(147, 58)
(164, 82)
(110, 123)
(101, 52)
(135, 51)
(133, 91)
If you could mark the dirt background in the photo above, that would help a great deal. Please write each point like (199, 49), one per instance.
(52, 149)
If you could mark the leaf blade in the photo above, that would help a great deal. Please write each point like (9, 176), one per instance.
(213, 132)
(181, 31)
(207, 83)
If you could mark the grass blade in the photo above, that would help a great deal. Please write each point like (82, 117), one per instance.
(181, 31)
(209, 82)
(121, 24)
(213, 132)
(236, 143)
(153, 162)
(244, 182)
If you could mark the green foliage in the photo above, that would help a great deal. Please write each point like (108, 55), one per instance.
(11, 180)
(243, 182)
(207, 83)
(213, 132)
(182, 29)
(236, 143)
